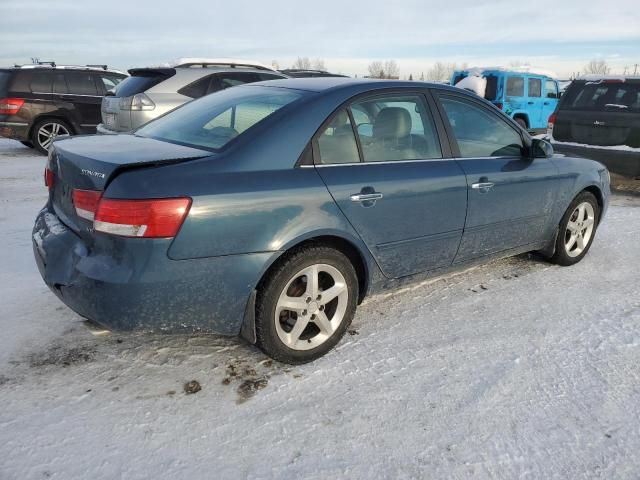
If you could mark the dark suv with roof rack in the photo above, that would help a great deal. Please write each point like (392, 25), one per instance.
(599, 118)
(39, 102)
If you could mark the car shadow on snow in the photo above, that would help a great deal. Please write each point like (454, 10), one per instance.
(155, 365)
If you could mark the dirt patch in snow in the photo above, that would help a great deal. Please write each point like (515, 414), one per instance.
(248, 379)
(62, 356)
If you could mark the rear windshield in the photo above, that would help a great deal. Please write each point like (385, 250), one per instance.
(601, 96)
(4, 80)
(213, 121)
(139, 82)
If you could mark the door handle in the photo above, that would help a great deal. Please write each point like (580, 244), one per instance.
(365, 197)
(482, 186)
(530, 103)
(545, 103)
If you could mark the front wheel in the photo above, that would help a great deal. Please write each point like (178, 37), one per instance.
(306, 304)
(577, 230)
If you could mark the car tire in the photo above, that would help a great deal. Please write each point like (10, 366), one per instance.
(313, 324)
(26, 144)
(46, 130)
(577, 230)
(521, 121)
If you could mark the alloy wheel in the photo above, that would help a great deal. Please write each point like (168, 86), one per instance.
(311, 307)
(579, 229)
(48, 131)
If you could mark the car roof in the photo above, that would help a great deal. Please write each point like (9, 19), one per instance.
(55, 67)
(320, 84)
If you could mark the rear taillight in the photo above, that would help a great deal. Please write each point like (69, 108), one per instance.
(86, 203)
(154, 218)
(49, 178)
(138, 102)
(550, 123)
(141, 218)
(10, 106)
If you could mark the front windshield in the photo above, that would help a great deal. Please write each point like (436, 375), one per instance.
(213, 121)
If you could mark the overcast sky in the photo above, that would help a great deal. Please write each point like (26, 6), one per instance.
(558, 35)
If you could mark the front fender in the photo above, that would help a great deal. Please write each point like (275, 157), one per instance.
(576, 175)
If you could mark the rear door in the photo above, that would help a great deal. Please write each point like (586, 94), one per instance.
(604, 112)
(83, 94)
(535, 103)
(394, 181)
(510, 195)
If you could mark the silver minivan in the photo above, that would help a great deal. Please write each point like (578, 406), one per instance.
(151, 92)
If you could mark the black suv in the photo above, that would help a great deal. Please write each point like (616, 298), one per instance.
(599, 118)
(40, 102)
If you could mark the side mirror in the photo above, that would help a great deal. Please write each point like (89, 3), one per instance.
(541, 148)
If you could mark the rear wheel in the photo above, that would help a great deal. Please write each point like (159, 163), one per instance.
(46, 130)
(577, 230)
(306, 305)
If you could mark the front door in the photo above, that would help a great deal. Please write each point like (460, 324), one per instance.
(390, 180)
(510, 195)
(535, 103)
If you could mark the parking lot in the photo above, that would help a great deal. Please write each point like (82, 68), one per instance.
(515, 369)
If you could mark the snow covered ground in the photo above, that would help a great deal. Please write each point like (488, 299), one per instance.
(516, 369)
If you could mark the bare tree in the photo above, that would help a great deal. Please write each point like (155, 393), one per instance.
(275, 64)
(598, 66)
(391, 69)
(439, 72)
(411, 77)
(376, 70)
(318, 64)
(388, 69)
(422, 76)
(302, 63)
(442, 72)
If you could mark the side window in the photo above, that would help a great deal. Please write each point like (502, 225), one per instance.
(551, 89)
(196, 89)
(515, 86)
(479, 132)
(337, 144)
(535, 87)
(41, 82)
(402, 129)
(59, 84)
(81, 83)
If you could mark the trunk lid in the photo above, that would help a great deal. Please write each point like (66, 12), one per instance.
(90, 162)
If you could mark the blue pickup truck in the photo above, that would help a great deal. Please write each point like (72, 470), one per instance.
(529, 98)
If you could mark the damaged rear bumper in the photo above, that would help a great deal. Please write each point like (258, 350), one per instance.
(131, 283)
